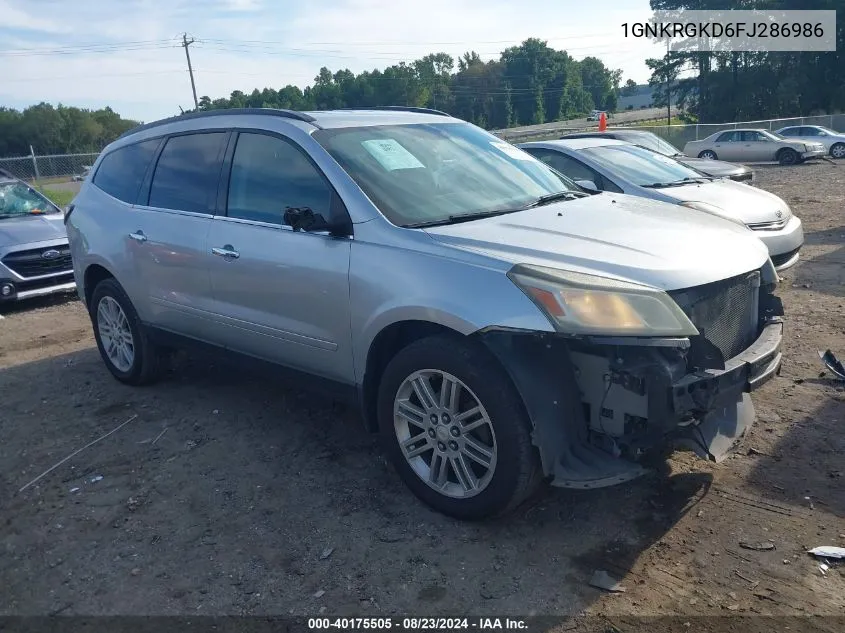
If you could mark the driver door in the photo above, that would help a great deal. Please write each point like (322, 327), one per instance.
(280, 295)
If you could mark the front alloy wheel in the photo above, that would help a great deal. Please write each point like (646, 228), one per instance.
(445, 433)
(456, 429)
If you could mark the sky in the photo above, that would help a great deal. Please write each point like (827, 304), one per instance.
(126, 54)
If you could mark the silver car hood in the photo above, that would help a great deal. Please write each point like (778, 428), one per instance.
(614, 235)
(31, 228)
(745, 203)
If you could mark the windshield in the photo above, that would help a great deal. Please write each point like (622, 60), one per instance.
(654, 143)
(641, 166)
(433, 173)
(828, 130)
(16, 199)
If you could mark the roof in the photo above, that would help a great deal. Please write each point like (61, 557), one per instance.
(576, 143)
(380, 115)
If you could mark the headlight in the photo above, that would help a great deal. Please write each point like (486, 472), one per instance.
(711, 209)
(576, 303)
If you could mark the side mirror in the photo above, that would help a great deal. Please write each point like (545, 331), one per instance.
(304, 219)
(589, 185)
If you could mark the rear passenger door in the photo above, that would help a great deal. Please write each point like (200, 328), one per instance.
(280, 295)
(171, 227)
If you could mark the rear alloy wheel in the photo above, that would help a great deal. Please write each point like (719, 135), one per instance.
(709, 154)
(788, 156)
(122, 339)
(838, 150)
(456, 429)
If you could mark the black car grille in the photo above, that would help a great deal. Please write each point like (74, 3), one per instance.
(780, 260)
(725, 312)
(745, 176)
(32, 263)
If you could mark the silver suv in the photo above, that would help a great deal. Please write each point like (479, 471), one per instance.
(496, 324)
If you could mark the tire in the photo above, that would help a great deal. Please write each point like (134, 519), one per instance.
(788, 157)
(708, 154)
(837, 150)
(141, 364)
(500, 423)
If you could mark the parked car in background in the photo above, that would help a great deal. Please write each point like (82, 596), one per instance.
(833, 141)
(497, 324)
(604, 164)
(34, 253)
(650, 140)
(754, 146)
(595, 115)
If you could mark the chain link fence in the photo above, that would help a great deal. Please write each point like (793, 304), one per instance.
(51, 168)
(678, 135)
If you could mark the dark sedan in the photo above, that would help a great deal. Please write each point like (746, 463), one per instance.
(649, 140)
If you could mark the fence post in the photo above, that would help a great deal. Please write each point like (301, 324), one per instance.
(34, 164)
(830, 116)
(696, 132)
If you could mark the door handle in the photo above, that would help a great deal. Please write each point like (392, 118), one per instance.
(227, 251)
(138, 236)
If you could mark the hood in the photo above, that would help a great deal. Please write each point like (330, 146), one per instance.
(31, 228)
(615, 235)
(748, 204)
(717, 168)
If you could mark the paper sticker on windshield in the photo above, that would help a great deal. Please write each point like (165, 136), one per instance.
(391, 155)
(510, 150)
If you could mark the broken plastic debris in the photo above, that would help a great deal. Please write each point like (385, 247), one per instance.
(828, 551)
(319, 594)
(96, 478)
(602, 580)
(74, 489)
(824, 568)
(759, 547)
(326, 553)
(833, 364)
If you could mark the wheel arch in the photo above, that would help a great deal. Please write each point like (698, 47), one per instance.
(94, 274)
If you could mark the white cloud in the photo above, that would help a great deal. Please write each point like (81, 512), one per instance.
(243, 44)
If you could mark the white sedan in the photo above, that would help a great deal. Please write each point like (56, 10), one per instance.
(601, 164)
(833, 141)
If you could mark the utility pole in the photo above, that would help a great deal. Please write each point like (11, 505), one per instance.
(668, 87)
(186, 43)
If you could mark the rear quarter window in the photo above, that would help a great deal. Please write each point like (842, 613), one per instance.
(122, 171)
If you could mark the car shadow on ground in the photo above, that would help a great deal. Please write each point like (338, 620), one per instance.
(232, 493)
(805, 467)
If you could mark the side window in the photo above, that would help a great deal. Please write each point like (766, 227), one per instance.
(809, 131)
(122, 171)
(575, 169)
(269, 175)
(753, 136)
(791, 131)
(728, 137)
(187, 172)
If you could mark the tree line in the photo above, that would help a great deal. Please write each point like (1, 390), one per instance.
(743, 86)
(530, 83)
(58, 130)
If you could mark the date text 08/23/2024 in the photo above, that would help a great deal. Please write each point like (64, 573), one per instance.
(419, 624)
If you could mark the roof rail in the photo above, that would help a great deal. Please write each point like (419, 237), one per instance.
(403, 109)
(288, 114)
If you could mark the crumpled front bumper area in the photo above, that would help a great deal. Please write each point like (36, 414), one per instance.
(599, 407)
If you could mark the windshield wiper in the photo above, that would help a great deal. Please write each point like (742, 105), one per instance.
(462, 217)
(559, 195)
(477, 215)
(678, 183)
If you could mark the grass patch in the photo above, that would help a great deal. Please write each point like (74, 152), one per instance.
(60, 197)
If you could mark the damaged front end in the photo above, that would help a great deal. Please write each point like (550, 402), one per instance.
(602, 405)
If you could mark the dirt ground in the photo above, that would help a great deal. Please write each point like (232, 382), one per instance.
(232, 494)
